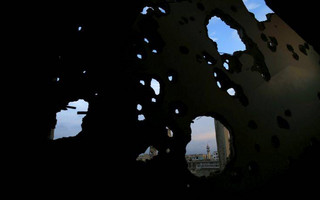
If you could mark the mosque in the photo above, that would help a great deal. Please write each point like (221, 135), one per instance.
(204, 164)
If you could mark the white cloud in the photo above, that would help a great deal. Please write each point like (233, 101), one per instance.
(212, 36)
(251, 5)
(214, 39)
(235, 34)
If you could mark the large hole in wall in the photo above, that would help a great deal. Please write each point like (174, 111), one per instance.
(258, 8)
(209, 150)
(69, 120)
(228, 39)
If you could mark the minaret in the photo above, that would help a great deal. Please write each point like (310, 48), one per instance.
(208, 152)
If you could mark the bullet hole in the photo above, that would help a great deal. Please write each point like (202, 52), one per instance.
(282, 123)
(224, 83)
(146, 9)
(218, 84)
(208, 58)
(226, 65)
(319, 95)
(79, 28)
(290, 48)
(146, 40)
(184, 50)
(141, 117)
(139, 56)
(167, 150)
(272, 44)
(142, 82)
(231, 63)
(162, 10)
(172, 76)
(252, 124)
(154, 51)
(295, 56)
(303, 49)
(287, 113)
(275, 142)
(200, 6)
(153, 100)
(231, 92)
(155, 85)
(306, 45)
(177, 109)
(139, 107)
(169, 132)
(192, 18)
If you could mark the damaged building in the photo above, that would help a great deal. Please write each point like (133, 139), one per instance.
(108, 55)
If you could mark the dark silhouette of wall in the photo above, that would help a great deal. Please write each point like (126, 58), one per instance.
(273, 118)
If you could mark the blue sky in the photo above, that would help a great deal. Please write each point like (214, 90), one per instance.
(228, 39)
(203, 132)
(258, 8)
(68, 121)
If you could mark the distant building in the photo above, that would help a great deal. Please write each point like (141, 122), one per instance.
(203, 164)
(144, 157)
(193, 157)
(208, 153)
(148, 156)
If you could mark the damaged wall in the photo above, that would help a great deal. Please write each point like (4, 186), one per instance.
(272, 118)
